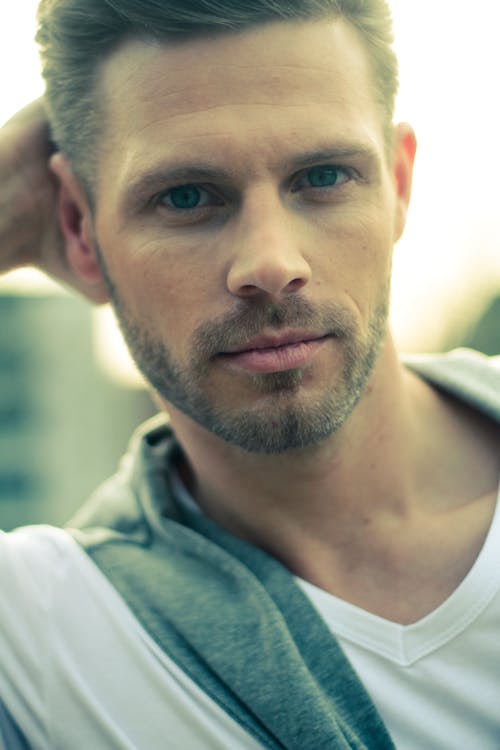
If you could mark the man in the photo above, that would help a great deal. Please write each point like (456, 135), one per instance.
(307, 556)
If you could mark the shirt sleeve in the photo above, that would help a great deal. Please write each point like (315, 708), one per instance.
(29, 564)
(11, 738)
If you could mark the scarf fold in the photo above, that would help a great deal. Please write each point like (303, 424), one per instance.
(228, 614)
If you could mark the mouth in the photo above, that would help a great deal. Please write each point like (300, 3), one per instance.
(285, 351)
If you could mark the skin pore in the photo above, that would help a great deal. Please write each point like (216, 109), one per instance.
(245, 214)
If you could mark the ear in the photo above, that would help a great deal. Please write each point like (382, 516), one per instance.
(405, 147)
(76, 224)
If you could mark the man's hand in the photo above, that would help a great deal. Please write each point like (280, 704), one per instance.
(29, 231)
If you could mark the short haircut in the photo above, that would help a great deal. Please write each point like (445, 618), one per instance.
(76, 36)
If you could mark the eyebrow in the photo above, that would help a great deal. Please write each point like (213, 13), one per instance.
(185, 172)
(337, 153)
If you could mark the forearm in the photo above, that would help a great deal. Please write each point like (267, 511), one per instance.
(27, 205)
(29, 227)
(15, 231)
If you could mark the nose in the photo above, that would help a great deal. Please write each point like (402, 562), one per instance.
(267, 255)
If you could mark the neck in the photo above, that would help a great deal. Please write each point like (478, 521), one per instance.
(401, 496)
(324, 492)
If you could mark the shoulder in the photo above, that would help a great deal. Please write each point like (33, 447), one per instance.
(42, 544)
(48, 583)
(34, 561)
(461, 362)
(36, 564)
(469, 375)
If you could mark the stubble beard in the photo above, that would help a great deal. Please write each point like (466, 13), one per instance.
(284, 422)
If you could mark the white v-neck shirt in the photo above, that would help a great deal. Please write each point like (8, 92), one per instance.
(77, 670)
(436, 682)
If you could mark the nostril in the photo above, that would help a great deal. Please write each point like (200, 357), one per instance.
(295, 285)
(246, 290)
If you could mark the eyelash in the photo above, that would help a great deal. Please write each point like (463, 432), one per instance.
(158, 199)
(348, 172)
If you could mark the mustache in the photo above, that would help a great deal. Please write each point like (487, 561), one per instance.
(250, 320)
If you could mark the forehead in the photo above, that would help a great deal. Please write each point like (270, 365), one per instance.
(244, 98)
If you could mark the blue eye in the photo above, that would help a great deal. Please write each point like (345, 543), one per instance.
(326, 176)
(185, 197)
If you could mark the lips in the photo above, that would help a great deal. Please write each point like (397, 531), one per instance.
(284, 351)
(274, 342)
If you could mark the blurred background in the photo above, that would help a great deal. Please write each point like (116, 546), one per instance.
(69, 396)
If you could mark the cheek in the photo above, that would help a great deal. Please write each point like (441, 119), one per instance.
(167, 284)
(359, 246)
(167, 298)
(152, 275)
(358, 259)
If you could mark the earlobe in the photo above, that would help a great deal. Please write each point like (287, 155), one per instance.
(75, 220)
(405, 147)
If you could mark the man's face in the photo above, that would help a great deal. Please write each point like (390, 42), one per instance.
(245, 214)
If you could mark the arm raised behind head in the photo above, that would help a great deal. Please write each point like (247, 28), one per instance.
(29, 229)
